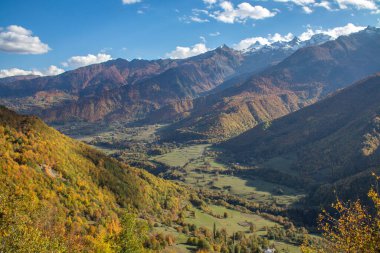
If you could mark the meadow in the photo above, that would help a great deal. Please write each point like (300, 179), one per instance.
(203, 171)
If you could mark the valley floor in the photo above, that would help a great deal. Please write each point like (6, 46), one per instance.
(194, 166)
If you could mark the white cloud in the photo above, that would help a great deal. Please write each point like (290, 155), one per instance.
(324, 4)
(307, 9)
(17, 39)
(358, 4)
(278, 37)
(197, 19)
(246, 43)
(106, 49)
(244, 11)
(80, 61)
(51, 71)
(131, 1)
(18, 72)
(305, 4)
(214, 34)
(196, 16)
(308, 5)
(333, 32)
(210, 1)
(185, 52)
(298, 2)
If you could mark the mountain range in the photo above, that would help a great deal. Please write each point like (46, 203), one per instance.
(157, 90)
(306, 76)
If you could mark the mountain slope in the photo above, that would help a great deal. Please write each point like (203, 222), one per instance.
(301, 79)
(333, 144)
(17, 78)
(87, 80)
(80, 191)
(134, 90)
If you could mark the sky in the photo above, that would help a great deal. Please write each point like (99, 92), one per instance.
(47, 37)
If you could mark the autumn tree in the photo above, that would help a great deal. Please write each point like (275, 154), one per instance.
(354, 229)
(19, 232)
(132, 235)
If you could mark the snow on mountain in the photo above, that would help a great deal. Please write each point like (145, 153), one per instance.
(292, 45)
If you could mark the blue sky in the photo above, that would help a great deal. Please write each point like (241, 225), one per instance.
(37, 34)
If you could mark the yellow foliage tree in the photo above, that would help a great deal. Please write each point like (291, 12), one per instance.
(354, 230)
(132, 235)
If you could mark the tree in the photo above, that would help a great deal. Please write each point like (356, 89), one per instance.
(252, 228)
(355, 229)
(19, 232)
(132, 235)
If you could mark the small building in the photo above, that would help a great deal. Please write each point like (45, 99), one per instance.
(269, 251)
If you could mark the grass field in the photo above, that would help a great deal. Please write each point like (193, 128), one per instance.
(181, 156)
(235, 222)
(201, 170)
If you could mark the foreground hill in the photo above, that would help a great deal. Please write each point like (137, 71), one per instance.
(69, 192)
(331, 145)
(306, 76)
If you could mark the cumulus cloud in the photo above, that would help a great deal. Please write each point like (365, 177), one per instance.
(131, 1)
(80, 61)
(18, 72)
(51, 71)
(185, 52)
(246, 43)
(244, 11)
(333, 32)
(17, 39)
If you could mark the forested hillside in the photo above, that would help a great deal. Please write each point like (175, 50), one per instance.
(331, 147)
(59, 195)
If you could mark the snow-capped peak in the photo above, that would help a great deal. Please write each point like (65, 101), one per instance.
(293, 44)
